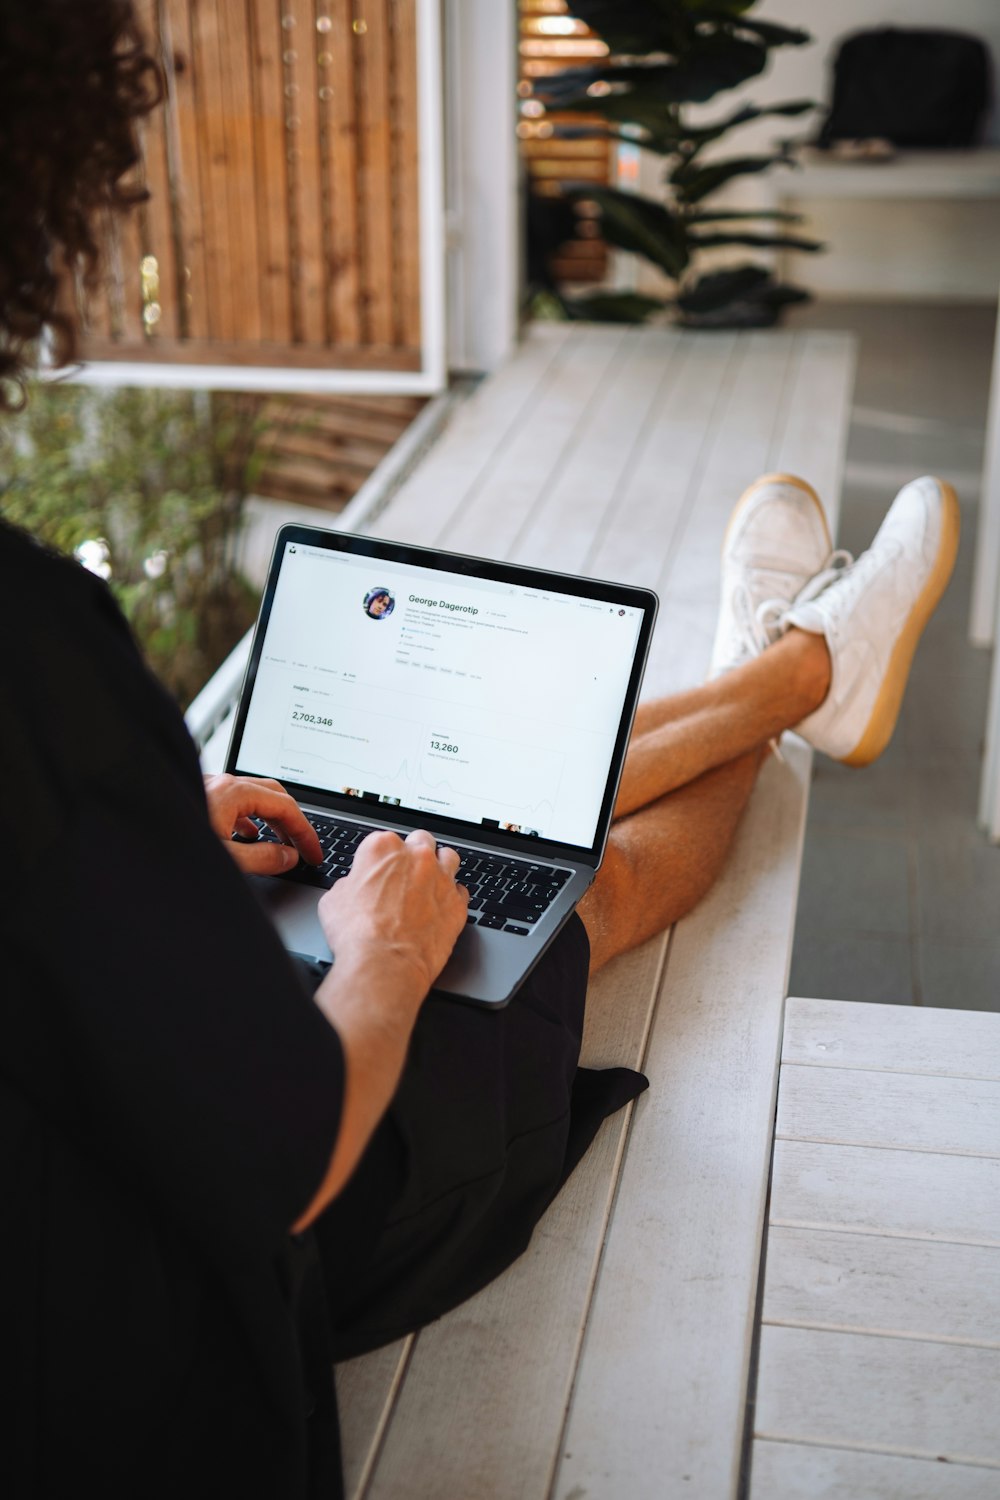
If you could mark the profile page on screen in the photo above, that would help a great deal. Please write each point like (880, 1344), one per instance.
(495, 703)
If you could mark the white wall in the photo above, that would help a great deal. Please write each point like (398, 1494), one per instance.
(909, 249)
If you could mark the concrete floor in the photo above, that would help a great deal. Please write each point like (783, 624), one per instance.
(900, 896)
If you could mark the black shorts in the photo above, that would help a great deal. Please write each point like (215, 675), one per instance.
(491, 1116)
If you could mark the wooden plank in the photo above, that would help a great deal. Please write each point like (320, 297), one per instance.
(903, 1039)
(501, 1366)
(186, 171)
(912, 1113)
(127, 296)
(370, 36)
(531, 461)
(305, 172)
(658, 490)
(745, 419)
(157, 230)
(328, 426)
(96, 298)
(241, 247)
(397, 406)
(214, 167)
(332, 499)
(667, 1346)
(340, 111)
(366, 1388)
(405, 233)
(816, 414)
(310, 480)
(460, 461)
(934, 1401)
(271, 170)
(886, 1192)
(754, 413)
(580, 499)
(791, 1471)
(908, 1288)
(333, 449)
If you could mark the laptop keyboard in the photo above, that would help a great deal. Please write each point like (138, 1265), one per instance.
(508, 894)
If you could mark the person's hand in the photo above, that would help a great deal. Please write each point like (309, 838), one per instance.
(232, 800)
(399, 905)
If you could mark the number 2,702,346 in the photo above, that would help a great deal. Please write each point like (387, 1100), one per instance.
(302, 718)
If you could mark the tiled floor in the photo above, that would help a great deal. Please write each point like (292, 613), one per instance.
(900, 897)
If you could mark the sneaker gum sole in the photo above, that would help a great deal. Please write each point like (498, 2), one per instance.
(878, 730)
(766, 479)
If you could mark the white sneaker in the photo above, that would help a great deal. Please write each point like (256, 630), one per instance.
(872, 615)
(776, 540)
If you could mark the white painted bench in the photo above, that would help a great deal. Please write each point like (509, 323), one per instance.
(879, 1372)
(612, 1360)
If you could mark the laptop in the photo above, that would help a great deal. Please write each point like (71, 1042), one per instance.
(395, 686)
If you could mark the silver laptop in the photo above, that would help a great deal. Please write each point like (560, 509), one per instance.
(393, 686)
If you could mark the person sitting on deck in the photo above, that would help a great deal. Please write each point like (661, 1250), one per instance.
(218, 1172)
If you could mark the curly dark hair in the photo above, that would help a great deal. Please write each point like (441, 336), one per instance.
(74, 77)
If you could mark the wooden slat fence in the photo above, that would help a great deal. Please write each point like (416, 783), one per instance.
(282, 226)
(319, 450)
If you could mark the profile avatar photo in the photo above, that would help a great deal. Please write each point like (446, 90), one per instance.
(379, 603)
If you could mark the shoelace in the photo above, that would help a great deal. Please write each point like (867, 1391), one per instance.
(768, 623)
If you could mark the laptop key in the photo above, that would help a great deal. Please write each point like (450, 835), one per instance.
(521, 931)
(488, 919)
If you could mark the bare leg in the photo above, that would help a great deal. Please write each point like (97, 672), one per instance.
(690, 769)
(661, 860)
(677, 739)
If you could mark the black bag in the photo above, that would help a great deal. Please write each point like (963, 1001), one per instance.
(914, 88)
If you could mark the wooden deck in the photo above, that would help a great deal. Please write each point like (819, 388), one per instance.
(612, 1360)
(880, 1341)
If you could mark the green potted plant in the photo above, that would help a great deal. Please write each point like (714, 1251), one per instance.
(663, 57)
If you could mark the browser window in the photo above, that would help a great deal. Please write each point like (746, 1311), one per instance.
(497, 704)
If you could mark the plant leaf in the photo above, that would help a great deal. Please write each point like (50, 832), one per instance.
(720, 288)
(614, 307)
(634, 26)
(782, 294)
(706, 133)
(696, 182)
(632, 222)
(770, 32)
(730, 7)
(722, 215)
(760, 241)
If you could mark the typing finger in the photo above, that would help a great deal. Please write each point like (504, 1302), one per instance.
(264, 858)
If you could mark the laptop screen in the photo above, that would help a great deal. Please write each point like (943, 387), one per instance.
(493, 702)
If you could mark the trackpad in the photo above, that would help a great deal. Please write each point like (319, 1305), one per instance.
(294, 911)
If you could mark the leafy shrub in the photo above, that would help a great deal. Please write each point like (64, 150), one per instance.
(146, 487)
